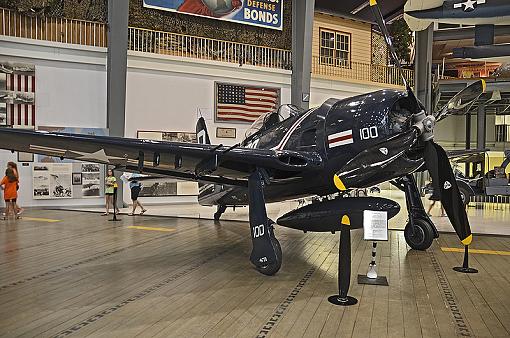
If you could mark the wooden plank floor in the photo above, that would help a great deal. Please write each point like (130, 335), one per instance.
(76, 274)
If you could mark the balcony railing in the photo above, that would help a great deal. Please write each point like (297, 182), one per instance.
(150, 41)
(352, 70)
(52, 29)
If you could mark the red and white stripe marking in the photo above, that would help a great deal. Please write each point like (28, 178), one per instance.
(340, 139)
(21, 114)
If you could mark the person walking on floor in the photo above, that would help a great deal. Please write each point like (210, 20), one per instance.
(136, 187)
(10, 186)
(435, 197)
(14, 168)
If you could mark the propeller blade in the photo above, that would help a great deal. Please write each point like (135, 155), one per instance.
(443, 179)
(462, 101)
(370, 161)
(376, 11)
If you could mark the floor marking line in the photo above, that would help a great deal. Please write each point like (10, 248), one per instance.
(139, 227)
(283, 306)
(462, 327)
(71, 330)
(37, 219)
(477, 251)
(81, 262)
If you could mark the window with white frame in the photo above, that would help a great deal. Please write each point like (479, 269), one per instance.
(502, 128)
(335, 48)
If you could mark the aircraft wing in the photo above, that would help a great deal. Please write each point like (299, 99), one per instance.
(466, 155)
(218, 164)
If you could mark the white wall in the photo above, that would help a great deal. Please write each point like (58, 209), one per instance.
(70, 92)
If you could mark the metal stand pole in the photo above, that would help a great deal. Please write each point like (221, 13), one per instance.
(465, 265)
(114, 219)
(344, 270)
(372, 267)
(371, 277)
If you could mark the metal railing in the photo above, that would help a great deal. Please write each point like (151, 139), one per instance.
(352, 70)
(63, 30)
(150, 41)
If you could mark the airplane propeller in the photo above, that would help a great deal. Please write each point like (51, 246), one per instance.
(436, 161)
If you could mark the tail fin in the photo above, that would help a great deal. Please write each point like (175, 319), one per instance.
(202, 134)
(203, 138)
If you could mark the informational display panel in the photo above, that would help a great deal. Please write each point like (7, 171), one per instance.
(52, 180)
(161, 186)
(375, 225)
(91, 179)
(262, 13)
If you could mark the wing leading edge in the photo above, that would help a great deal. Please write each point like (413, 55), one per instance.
(182, 160)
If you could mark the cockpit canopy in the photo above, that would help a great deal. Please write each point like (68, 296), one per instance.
(268, 120)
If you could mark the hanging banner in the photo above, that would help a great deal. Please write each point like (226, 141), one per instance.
(262, 13)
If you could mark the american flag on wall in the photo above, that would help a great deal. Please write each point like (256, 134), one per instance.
(237, 103)
(17, 94)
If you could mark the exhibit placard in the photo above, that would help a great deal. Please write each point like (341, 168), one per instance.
(222, 132)
(262, 13)
(375, 225)
(52, 180)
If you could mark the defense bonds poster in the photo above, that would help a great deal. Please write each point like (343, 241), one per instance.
(262, 13)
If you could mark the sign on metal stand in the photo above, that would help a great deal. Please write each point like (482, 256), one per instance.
(375, 228)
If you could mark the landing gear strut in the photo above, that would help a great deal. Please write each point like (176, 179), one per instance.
(266, 254)
(419, 231)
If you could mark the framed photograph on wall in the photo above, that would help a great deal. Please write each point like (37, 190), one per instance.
(25, 157)
(77, 179)
(225, 132)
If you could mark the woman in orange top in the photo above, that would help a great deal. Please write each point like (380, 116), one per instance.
(10, 186)
(14, 167)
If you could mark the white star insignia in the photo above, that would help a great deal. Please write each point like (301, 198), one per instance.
(98, 156)
(447, 185)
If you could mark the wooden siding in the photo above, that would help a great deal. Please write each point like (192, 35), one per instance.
(361, 35)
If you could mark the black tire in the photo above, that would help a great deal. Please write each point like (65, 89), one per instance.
(422, 237)
(271, 269)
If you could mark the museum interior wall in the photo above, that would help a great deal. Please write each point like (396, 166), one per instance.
(70, 92)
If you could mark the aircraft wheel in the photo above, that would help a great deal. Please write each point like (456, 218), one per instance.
(271, 269)
(422, 237)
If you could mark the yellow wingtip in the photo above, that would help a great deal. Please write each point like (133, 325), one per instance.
(467, 240)
(373, 2)
(338, 183)
(346, 220)
(484, 85)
